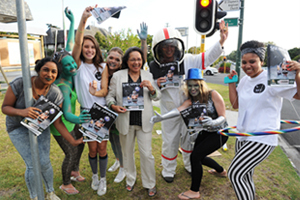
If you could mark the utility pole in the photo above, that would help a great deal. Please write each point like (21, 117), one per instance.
(238, 54)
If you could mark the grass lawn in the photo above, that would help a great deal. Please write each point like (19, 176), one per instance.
(275, 178)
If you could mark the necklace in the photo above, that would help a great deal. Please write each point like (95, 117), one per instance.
(34, 89)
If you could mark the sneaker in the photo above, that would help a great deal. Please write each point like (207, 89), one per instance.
(52, 196)
(102, 187)
(114, 167)
(121, 175)
(95, 182)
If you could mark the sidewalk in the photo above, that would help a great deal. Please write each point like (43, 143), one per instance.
(292, 154)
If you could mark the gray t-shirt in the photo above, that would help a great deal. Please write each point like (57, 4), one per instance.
(12, 122)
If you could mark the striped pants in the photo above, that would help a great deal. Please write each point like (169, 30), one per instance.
(248, 155)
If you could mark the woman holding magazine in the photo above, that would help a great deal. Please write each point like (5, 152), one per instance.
(208, 140)
(70, 165)
(14, 107)
(132, 123)
(91, 65)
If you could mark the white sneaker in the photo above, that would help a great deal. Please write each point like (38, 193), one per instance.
(95, 182)
(114, 167)
(102, 187)
(121, 175)
(52, 196)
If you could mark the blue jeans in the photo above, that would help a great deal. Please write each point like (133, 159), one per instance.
(20, 139)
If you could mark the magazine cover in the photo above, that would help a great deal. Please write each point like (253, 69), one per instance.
(50, 112)
(193, 115)
(278, 75)
(102, 14)
(98, 127)
(133, 96)
(172, 74)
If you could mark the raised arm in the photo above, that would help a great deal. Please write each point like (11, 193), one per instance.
(71, 34)
(294, 65)
(79, 35)
(143, 37)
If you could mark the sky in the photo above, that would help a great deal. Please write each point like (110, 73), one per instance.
(264, 20)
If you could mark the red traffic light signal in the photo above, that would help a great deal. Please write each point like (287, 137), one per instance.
(205, 16)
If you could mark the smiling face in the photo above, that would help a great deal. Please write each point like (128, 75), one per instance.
(48, 73)
(88, 50)
(135, 62)
(251, 64)
(114, 60)
(69, 66)
(168, 52)
(193, 87)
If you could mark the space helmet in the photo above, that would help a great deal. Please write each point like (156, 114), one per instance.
(167, 37)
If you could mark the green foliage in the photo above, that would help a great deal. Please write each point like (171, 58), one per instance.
(294, 53)
(194, 50)
(232, 56)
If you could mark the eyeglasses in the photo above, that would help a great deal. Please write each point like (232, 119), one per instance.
(135, 60)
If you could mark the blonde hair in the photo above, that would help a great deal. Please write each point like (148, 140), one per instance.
(203, 94)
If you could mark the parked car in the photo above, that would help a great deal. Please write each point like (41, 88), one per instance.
(210, 71)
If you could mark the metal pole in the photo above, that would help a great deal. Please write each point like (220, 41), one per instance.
(202, 48)
(238, 55)
(28, 94)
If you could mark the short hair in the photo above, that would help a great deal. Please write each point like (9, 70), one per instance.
(40, 63)
(116, 49)
(126, 56)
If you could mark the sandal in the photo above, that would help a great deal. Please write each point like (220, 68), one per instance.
(214, 172)
(184, 196)
(152, 192)
(129, 188)
(69, 191)
(77, 178)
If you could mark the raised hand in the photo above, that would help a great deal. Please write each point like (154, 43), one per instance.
(144, 31)
(69, 14)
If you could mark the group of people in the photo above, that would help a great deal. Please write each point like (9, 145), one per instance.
(84, 76)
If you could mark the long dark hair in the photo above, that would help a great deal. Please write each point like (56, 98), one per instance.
(98, 57)
(126, 56)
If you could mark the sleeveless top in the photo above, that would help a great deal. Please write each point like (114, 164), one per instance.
(69, 125)
(212, 112)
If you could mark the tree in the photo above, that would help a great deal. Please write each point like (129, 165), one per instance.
(232, 56)
(294, 53)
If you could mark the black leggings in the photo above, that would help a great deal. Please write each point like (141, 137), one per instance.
(72, 154)
(205, 144)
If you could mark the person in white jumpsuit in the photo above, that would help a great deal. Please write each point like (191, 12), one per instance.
(167, 46)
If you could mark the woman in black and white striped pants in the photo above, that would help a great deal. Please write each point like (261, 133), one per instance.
(259, 110)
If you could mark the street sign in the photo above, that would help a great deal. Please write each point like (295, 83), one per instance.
(231, 21)
(229, 5)
(183, 31)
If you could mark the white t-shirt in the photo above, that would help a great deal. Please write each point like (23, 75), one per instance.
(260, 106)
(85, 75)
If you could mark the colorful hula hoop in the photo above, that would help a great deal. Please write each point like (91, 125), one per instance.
(229, 130)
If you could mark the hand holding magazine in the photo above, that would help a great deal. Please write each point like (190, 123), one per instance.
(50, 112)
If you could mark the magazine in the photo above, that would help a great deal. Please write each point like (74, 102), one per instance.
(102, 14)
(193, 115)
(133, 96)
(278, 74)
(172, 75)
(50, 112)
(98, 127)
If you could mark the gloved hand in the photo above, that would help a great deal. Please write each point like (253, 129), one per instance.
(158, 117)
(69, 14)
(144, 31)
(208, 121)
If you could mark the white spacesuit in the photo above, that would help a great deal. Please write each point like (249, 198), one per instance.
(174, 130)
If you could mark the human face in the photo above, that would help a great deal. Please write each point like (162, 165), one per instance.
(69, 66)
(193, 87)
(135, 62)
(48, 73)
(114, 60)
(251, 64)
(168, 51)
(88, 50)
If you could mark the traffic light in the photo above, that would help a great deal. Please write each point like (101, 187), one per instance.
(205, 16)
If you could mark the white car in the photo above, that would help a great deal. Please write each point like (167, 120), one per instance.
(210, 71)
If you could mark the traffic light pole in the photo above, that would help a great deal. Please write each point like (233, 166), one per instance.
(202, 47)
(238, 55)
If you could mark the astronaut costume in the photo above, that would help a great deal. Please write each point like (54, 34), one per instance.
(174, 130)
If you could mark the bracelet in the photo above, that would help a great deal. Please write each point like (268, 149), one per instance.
(153, 92)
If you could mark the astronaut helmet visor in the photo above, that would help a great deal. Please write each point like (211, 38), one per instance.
(169, 50)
